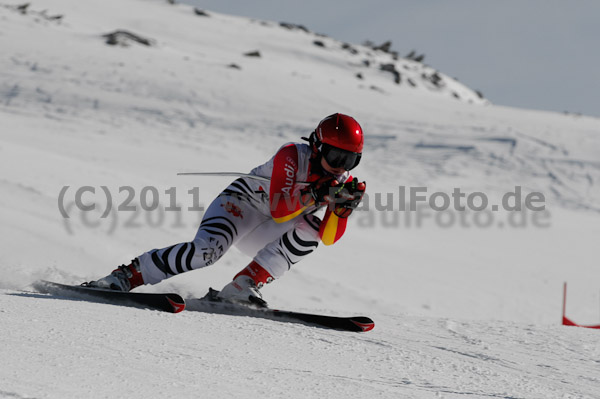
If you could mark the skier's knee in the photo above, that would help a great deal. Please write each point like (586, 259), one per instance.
(293, 246)
(207, 250)
(308, 228)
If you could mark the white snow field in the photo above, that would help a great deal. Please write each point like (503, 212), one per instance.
(466, 304)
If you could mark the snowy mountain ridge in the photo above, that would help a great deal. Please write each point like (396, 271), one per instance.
(462, 306)
(368, 65)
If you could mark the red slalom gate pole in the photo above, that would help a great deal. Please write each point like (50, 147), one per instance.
(565, 320)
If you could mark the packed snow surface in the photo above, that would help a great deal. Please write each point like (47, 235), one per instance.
(465, 303)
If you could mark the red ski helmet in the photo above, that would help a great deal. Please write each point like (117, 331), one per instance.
(341, 131)
(339, 139)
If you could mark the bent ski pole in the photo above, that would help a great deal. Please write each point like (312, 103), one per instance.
(255, 177)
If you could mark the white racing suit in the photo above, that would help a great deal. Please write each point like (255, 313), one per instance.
(264, 219)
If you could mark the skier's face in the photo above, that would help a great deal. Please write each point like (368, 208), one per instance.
(329, 169)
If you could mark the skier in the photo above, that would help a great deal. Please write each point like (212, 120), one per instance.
(271, 221)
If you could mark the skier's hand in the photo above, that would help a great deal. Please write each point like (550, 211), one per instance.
(348, 197)
(322, 191)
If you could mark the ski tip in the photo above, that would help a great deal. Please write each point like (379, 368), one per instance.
(363, 323)
(177, 304)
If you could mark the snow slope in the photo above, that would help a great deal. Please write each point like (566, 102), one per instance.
(462, 306)
(131, 353)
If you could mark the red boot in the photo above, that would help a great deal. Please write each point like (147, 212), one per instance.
(123, 278)
(246, 284)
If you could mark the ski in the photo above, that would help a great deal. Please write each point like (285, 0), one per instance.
(167, 302)
(174, 303)
(211, 304)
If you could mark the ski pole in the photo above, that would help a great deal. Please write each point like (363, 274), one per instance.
(238, 174)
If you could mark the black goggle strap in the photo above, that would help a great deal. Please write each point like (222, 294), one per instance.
(313, 142)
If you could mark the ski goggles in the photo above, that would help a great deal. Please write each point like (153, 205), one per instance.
(338, 158)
